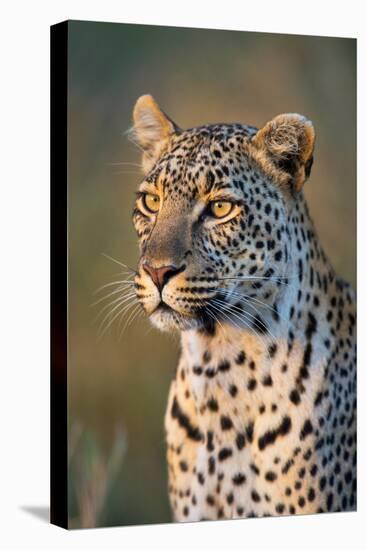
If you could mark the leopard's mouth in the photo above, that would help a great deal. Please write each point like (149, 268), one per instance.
(166, 317)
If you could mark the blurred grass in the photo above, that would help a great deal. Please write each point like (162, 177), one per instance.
(197, 76)
(92, 474)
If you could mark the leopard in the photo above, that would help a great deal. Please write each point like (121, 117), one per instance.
(261, 414)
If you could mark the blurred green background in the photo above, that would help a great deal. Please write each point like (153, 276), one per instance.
(118, 386)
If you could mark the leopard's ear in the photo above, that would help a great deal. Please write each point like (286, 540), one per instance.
(287, 141)
(151, 129)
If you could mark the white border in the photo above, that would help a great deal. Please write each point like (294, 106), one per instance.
(24, 218)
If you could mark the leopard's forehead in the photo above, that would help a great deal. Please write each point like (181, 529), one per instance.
(218, 133)
(202, 157)
(218, 139)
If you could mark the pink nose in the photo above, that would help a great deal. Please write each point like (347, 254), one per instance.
(161, 275)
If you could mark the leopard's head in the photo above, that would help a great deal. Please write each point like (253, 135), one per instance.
(211, 214)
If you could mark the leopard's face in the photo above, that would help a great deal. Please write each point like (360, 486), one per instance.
(212, 229)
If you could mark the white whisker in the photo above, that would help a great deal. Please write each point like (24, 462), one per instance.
(243, 317)
(253, 316)
(127, 311)
(121, 282)
(121, 298)
(247, 298)
(117, 262)
(119, 304)
(124, 164)
(120, 289)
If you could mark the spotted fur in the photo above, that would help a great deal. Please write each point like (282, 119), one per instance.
(261, 414)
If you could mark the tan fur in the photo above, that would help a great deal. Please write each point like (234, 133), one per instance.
(261, 415)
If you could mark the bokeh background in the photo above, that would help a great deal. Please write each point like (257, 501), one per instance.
(118, 385)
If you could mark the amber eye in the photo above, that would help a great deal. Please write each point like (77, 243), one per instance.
(220, 209)
(151, 202)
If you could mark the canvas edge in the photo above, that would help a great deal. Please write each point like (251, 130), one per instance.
(59, 275)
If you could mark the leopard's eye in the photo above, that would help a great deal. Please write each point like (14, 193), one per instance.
(220, 209)
(151, 202)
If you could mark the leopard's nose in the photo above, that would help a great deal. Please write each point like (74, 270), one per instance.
(161, 275)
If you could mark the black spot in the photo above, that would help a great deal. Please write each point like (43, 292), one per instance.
(240, 359)
(322, 483)
(308, 454)
(270, 437)
(311, 326)
(239, 479)
(318, 398)
(183, 466)
(295, 397)
(184, 422)
(255, 496)
(210, 373)
(287, 466)
(348, 477)
(272, 350)
(252, 384)
(254, 469)
(233, 390)
(226, 422)
(210, 179)
(201, 478)
(213, 405)
(240, 441)
(280, 508)
(267, 380)
(249, 430)
(206, 357)
(210, 445)
(224, 453)
(301, 502)
(306, 429)
(197, 370)
(307, 355)
(259, 325)
(224, 366)
(270, 476)
(311, 494)
(209, 329)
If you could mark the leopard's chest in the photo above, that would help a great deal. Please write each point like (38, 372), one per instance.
(234, 432)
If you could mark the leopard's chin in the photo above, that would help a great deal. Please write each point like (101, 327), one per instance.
(167, 319)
